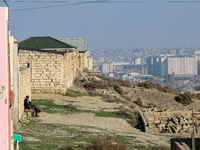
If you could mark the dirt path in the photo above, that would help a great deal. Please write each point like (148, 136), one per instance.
(84, 102)
(89, 119)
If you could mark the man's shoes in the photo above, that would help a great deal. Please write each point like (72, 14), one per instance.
(37, 116)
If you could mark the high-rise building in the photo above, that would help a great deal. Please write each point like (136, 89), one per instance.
(107, 67)
(163, 66)
(150, 65)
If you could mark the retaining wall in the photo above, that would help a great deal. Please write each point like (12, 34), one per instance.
(156, 122)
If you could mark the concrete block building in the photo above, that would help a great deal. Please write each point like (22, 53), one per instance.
(53, 64)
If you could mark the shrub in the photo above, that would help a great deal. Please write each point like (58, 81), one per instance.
(121, 82)
(118, 89)
(112, 100)
(149, 85)
(72, 94)
(125, 83)
(95, 85)
(170, 90)
(184, 98)
(69, 147)
(151, 105)
(105, 145)
(70, 106)
(144, 84)
(197, 96)
(126, 92)
(127, 98)
(138, 102)
(130, 114)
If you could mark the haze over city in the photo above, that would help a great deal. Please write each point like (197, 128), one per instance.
(110, 25)
(99, 74)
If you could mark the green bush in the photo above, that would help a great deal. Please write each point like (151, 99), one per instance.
(72, 94)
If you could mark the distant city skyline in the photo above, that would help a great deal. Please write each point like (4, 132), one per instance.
(112, 26)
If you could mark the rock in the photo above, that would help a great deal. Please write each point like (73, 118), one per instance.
(95, 79)
(84, 77)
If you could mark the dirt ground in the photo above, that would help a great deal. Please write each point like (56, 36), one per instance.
(118, 125)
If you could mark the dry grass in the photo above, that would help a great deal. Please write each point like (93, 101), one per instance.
(105, 145)
(69, 147)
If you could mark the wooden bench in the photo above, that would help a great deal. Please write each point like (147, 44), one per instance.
(29, 112)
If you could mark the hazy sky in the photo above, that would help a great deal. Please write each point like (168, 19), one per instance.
(132, 25)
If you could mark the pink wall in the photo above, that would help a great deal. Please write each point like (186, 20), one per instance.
(3, 79)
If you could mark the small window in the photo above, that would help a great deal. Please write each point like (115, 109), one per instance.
(28, 65)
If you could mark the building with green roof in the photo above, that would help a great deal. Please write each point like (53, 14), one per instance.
(44, 42)
(79, 43)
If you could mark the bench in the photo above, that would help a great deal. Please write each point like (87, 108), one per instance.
(29, 112)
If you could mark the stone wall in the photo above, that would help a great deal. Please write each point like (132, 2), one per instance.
(25, 87)
(90, 64)
(46, 70)
(83, 61)
(71, 68)
(52, 71)
(169, 121)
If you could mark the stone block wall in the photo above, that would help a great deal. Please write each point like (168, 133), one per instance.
(25, 87)
(46, 70)
(169, 121)
(83, 61)
(52, 71)
(70, 68)
(90, 64)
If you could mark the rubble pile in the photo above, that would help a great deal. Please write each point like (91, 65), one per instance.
(84, 77)
(167, 121)
(181, 124)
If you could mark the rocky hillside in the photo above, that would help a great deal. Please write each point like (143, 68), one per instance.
(147, 94)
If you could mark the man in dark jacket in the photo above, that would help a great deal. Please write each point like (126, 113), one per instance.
(27, 105)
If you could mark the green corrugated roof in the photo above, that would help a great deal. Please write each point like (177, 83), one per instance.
(44, 42)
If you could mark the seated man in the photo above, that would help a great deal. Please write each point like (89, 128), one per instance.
(27, 105)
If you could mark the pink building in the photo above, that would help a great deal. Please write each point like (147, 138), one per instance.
(6, 95)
